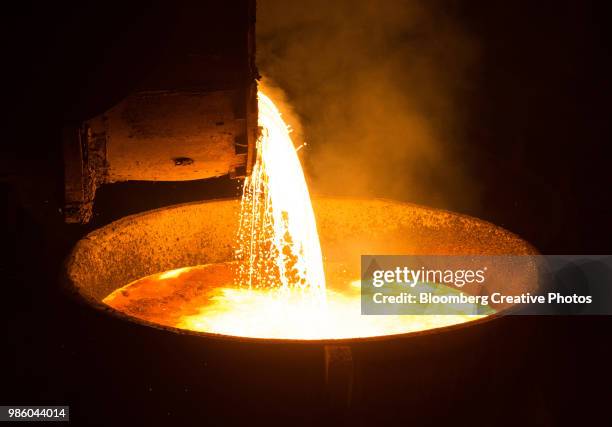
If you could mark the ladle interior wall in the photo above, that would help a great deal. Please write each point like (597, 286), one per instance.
(204, 232)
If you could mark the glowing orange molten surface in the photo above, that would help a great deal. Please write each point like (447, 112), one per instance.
(276, 288)
(204, 298)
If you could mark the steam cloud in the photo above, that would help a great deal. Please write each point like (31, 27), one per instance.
(377, 88)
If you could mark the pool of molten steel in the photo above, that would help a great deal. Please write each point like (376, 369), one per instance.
(277, 286)
(204, 298)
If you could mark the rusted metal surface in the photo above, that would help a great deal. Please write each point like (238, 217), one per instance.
(160, 136)
(85, 168)
(148, 132)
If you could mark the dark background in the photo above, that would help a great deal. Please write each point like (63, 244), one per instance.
(538, 119)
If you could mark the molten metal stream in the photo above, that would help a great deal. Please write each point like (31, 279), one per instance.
(278, 243)
(277, 286)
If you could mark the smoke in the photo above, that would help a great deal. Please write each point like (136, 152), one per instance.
(377, 87)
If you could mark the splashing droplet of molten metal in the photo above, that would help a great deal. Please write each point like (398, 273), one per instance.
(278, 243)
